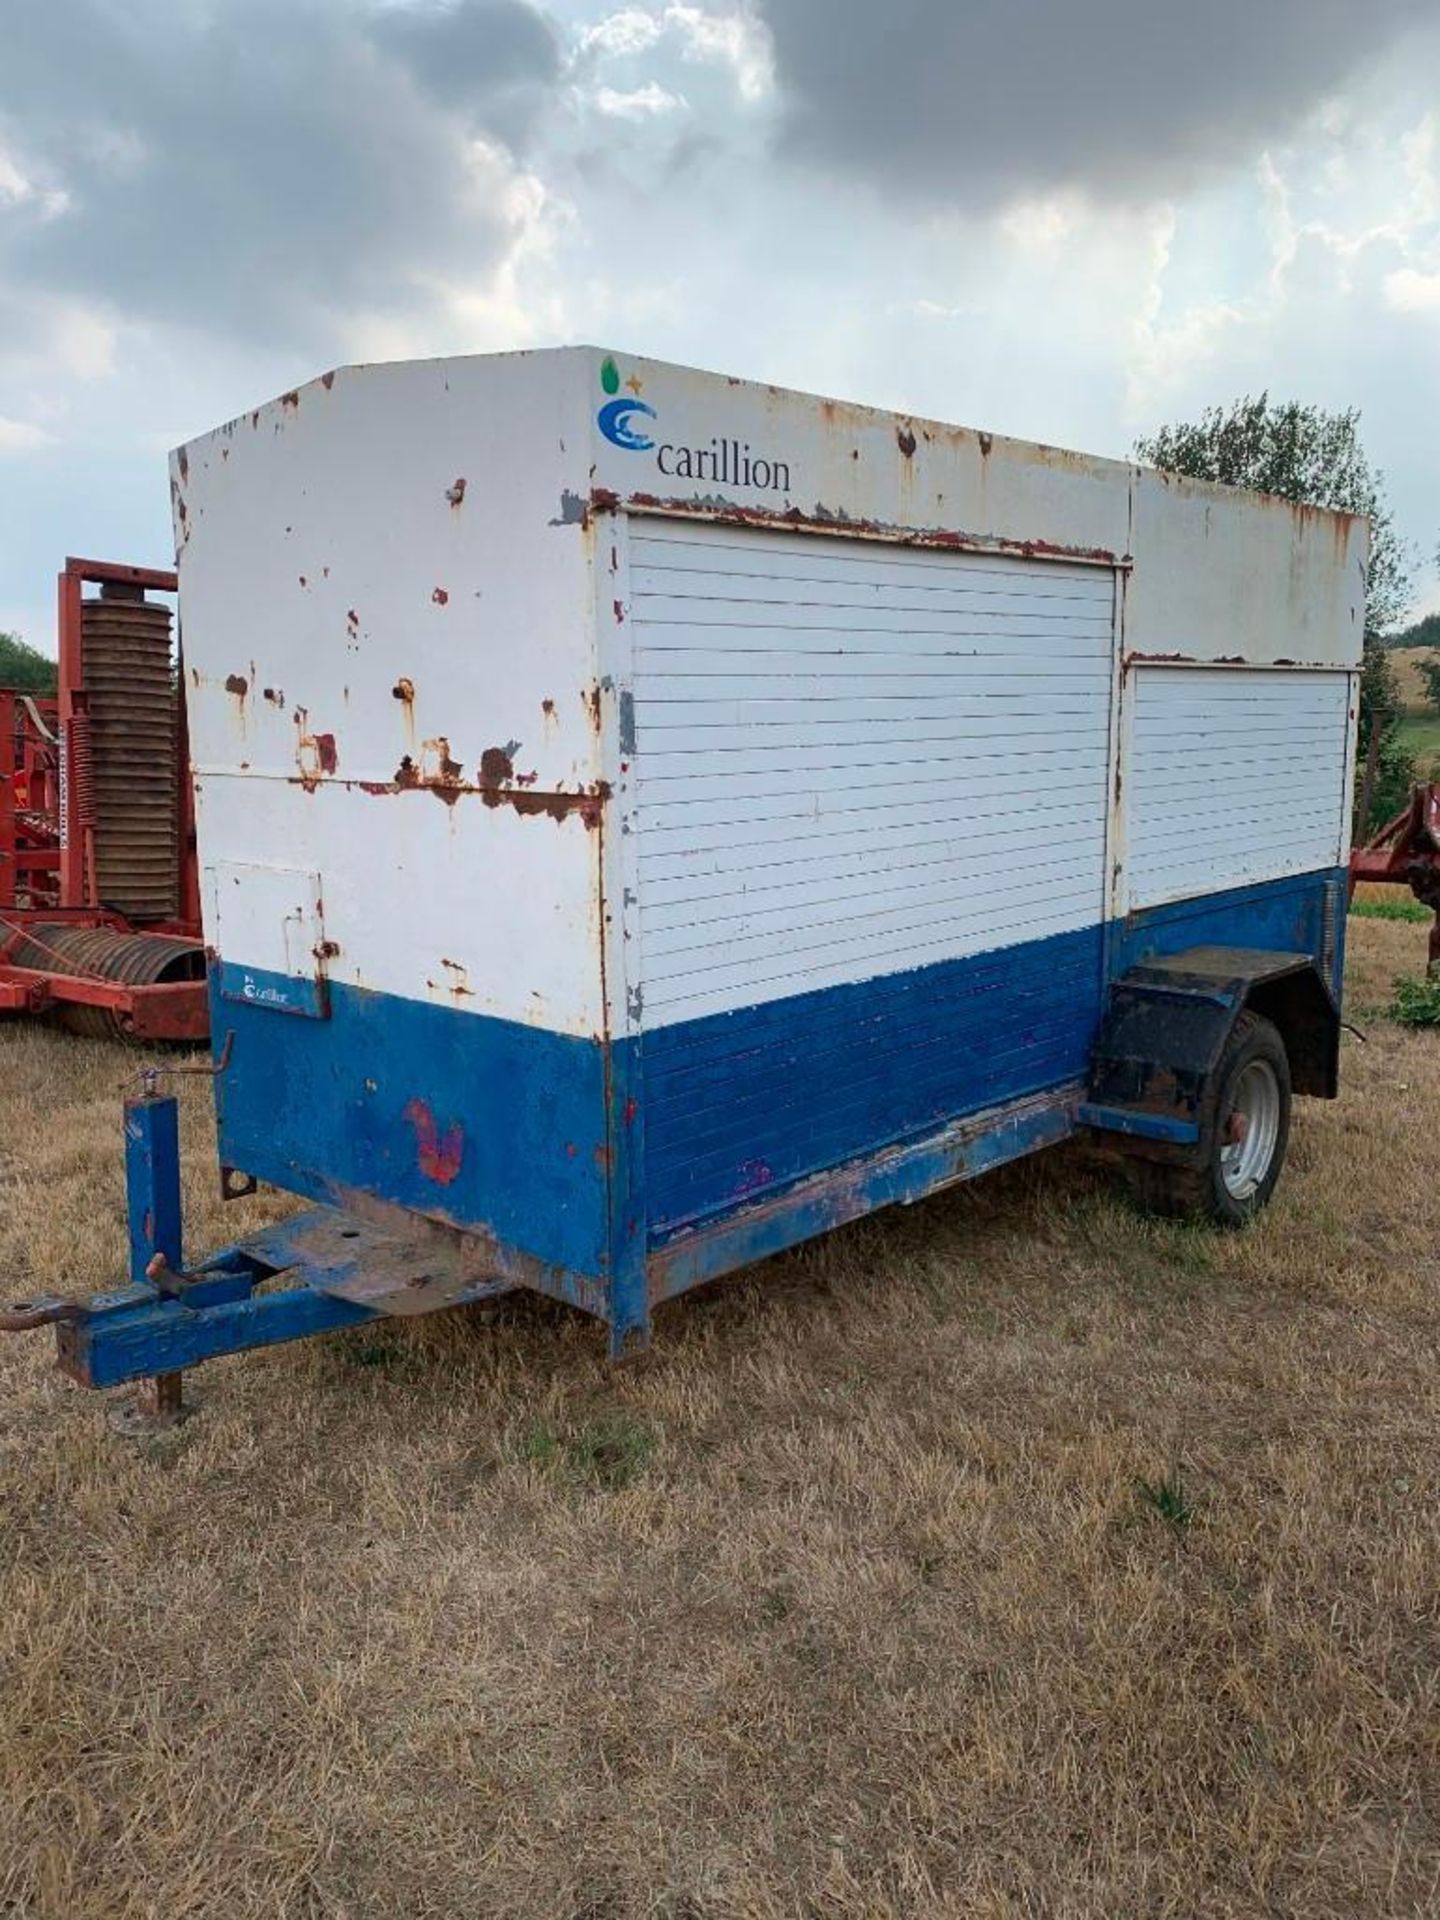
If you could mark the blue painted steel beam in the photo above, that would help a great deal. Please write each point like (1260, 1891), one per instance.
(899, 1176)
(136, 1337)
(152, 1182)
(1141, 1125)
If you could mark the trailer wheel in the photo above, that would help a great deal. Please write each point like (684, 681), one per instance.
(1243, 1136)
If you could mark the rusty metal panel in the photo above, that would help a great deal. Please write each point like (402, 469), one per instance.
(389, 634)
(1225, 576)
(665, 435)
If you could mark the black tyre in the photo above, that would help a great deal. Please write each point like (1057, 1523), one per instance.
(1244, 1133)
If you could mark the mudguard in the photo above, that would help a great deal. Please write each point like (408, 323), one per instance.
(1166, 1024)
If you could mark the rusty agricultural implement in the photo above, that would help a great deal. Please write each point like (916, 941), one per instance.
(1405, 852)
(99, 894)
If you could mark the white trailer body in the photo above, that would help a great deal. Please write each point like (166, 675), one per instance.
(647, 817)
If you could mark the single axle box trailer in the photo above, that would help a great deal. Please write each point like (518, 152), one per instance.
(647, 818)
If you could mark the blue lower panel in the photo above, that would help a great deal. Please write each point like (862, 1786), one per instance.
(484, 1123)
(741, 1104)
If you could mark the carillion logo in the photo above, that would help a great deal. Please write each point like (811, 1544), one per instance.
(618, 412)
(621, 419)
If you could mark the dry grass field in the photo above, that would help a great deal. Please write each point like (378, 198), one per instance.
(1009, 1556)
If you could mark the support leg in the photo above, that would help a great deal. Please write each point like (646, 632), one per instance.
(152, 1191)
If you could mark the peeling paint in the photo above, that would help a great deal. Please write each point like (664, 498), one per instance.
(439, 1154)
(574, 511)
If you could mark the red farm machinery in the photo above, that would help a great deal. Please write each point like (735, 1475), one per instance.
(99, 892)
(1405, 852)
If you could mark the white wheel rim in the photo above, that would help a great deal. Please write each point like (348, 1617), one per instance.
(1251, 1131)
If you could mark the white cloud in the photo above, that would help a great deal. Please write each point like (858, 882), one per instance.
(1411, 292)
(639, 103)
(632, 30)
(19, 189)
(736, 40)
(23, 436)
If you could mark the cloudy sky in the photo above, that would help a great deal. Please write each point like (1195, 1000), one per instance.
(1064, 219)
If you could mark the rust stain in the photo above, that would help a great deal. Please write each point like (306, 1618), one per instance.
(821, 520)
(497, 785)
(303, 580)
(404, 689)
(905, 440)
(327, 380)
(547, 707)
(182, 461)
(315, 754)
(456, 493)
(274, 696)
(439, 1154)
(619, 613)
(352, 621)
(291, 399)
(497, 767)
(237, 684)
(461, 989)
(440, 597)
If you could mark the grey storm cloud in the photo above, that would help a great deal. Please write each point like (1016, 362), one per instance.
(977, 100)
(257, 167)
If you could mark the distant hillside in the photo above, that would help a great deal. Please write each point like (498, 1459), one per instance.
(1424, 633)
(1406, 662)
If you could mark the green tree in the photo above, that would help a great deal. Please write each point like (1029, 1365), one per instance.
(21, 666)
(1316, 457)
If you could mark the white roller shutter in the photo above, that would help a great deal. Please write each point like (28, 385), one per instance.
(854, 758)
(1235, 775)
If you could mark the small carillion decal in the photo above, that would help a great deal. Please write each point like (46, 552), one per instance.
(618, 412)
(732, 463)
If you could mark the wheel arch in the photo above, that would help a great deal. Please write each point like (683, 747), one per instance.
(1166, 1025)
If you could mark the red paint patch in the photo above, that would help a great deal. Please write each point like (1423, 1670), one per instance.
(439, 1156)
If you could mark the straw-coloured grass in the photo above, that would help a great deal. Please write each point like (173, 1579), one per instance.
(1013, 1555)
